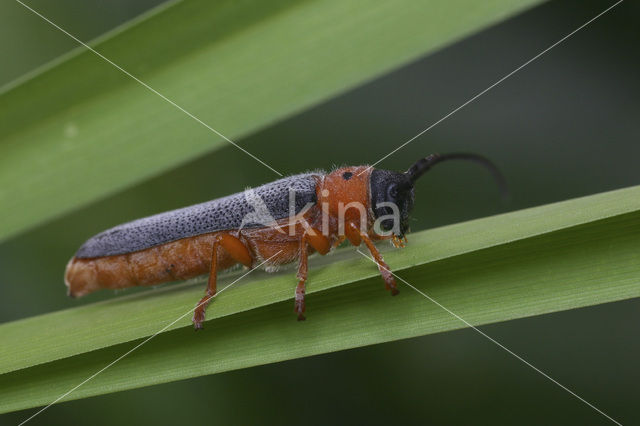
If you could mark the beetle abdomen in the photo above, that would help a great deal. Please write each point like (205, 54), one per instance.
(211, 216)
(177, 260)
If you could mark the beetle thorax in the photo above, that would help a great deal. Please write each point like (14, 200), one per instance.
(344, 196)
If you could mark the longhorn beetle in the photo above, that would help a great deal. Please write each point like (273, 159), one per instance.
(282, 221)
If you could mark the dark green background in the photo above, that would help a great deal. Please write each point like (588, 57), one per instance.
(565, 126)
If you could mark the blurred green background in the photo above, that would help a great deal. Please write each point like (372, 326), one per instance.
(565, 126)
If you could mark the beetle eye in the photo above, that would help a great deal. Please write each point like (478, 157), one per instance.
(347, 175)
(393, 191)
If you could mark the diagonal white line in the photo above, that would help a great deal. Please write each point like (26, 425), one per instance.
(494, 85)
(145, 341)
(149, 88)
(500, 345)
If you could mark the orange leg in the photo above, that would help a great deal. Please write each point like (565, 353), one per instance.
(385, 271)
(322, 245)
(239, 252)
(302, 279)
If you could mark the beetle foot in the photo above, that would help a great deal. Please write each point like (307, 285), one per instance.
(198, 320)
(199, 314)
(299, 297)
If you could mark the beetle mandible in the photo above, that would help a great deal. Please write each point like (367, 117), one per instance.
(282, 221)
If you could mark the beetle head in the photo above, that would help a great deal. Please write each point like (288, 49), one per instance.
(392, 197)
(389, 189)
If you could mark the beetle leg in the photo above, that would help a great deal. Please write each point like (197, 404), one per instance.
(201, 307)
(302, 279)
(238, 252)
(387, 276)
(322, 245)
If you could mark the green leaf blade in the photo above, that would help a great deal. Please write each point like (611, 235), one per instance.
(561, 256)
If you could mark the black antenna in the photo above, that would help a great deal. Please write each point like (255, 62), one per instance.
(421, 166)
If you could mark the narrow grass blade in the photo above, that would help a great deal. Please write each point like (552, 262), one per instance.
(556, 257)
